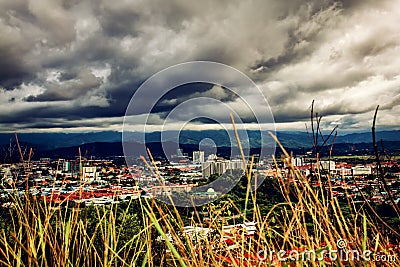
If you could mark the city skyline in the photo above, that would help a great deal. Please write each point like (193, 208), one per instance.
(73, 66)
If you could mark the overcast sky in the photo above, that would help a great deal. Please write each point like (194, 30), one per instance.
(73, 65)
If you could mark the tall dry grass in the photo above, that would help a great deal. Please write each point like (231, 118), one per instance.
(41, 233)
(310, 219)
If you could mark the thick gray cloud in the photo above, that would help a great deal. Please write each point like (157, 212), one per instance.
(76, 64)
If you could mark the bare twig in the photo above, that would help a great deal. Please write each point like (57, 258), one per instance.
(378, 163)
(239, 143)
(388, 156)
(312, 123)
(19, 149)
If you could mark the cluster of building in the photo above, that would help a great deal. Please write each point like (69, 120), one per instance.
(358, 181)
(84, 181)
(199, 166)
(341, 169)
(109, 180)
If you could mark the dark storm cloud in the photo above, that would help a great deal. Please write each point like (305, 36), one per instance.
(309, 26)
(69, 90)
(26, 27)
(186, 92)
(81, 61)
(123, 25)
(14, 68)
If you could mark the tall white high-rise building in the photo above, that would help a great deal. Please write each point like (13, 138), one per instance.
(221, 166)
(207, 168)
(89, 174)
(327, 165)
(67, 166)
(236, 164)
(297, 161)
(198, 156)
(212, 157)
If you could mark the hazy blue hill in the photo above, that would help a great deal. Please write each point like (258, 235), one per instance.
(56, 140)
(367, 137)
(290, 139)
(296, 142)
(295, 139)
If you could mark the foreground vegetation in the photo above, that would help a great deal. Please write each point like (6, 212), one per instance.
(289, 213)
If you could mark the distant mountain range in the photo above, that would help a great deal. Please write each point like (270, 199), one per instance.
(291, 139)
(49, 141)
(108, 143)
